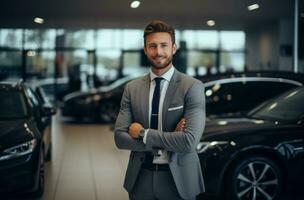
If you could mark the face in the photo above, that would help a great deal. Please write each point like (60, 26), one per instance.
(159, 49)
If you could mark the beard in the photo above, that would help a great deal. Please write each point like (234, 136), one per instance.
(160, 65)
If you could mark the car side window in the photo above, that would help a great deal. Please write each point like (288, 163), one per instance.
(41, 96)
(220, 98)
(242, 96)
(34, 100)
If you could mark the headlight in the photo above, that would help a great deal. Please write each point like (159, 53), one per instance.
(204, 146)
(18, 150)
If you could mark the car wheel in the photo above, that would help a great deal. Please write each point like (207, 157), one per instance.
(40, 189)
(255, 178)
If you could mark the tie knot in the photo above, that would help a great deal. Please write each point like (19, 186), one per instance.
(158, 79)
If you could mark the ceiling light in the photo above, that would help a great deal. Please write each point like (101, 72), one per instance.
(135, 4)
(39, 20)
(211, 22)
(253, 7)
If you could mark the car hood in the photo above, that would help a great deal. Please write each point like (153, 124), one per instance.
(226, 126)
(15, 132)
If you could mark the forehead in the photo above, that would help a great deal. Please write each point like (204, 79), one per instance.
(158, 37)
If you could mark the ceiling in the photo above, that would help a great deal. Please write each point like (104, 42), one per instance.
(228, 14)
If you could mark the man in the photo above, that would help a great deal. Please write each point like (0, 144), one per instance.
(161, 120)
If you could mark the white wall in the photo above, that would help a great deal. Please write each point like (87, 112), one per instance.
(286, 35)
(263, 46)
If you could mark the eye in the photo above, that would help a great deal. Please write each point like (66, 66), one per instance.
(164, 45)
(152, 46)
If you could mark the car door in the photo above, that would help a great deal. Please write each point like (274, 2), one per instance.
(43, 121)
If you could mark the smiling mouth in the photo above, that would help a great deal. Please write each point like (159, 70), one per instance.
(158, 58)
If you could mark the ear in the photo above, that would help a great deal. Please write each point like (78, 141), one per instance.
(145, 50)
(174, 48)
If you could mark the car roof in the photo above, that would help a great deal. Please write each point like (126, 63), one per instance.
(11, 85)
(271, 74)
(253, 79)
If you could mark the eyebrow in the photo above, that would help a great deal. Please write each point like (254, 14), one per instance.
(153, 43)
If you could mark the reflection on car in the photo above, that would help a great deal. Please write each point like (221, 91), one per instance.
(236, 96)
(258, 156)
(25, 138)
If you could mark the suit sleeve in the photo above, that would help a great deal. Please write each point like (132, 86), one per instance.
(194, 113)
(121, 136)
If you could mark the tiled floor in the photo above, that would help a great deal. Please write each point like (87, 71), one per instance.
(86, 165)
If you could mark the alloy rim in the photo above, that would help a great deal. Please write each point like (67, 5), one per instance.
(257, 181)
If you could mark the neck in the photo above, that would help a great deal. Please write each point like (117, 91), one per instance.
(161, 71)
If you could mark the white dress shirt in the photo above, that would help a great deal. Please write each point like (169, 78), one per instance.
(163, 154)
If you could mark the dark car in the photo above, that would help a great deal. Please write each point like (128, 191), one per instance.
(25, 138)
(259, 156)
(226, 94)
(237, 95)
(55, 89)
(102, 103)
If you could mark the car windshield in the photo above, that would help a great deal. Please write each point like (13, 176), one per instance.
(287, 107)
(12, 105)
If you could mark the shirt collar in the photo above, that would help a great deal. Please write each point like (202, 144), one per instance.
(167, 76)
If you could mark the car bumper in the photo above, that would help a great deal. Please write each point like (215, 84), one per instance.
(19, 174)
(214, 167)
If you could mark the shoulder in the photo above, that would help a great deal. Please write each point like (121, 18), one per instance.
(138, 82)
(188, 81)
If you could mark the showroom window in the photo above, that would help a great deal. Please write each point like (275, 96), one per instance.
(232, 40)
(108, 50)
(11, 38)
(37, 39)
(200, 39)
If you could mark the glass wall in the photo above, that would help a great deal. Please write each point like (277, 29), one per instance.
(45, 53)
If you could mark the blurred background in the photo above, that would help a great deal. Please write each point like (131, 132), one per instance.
(77, 56)
(51, 39)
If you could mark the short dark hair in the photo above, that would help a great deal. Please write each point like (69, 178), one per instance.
(157, 26)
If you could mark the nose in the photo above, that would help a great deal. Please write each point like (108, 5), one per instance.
(158, 50)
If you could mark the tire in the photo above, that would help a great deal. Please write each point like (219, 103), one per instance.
(40, 189)
(254, 178)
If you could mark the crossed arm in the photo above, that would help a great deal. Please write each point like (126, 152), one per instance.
(135, 127)
(183, 139)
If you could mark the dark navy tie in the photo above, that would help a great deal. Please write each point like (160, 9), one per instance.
(155, 104)
(154, 115)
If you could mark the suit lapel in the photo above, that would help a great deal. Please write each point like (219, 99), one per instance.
(145, 100)
(173, 85)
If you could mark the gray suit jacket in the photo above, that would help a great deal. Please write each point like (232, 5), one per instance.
(184, 98)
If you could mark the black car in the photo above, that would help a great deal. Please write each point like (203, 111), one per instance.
(259, 156)
(25, 138)
(100, 104)
(237, 95)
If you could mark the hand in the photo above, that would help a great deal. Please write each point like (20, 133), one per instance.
(181, 125)
(134, 129)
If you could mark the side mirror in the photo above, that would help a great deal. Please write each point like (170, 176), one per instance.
(48, 110)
